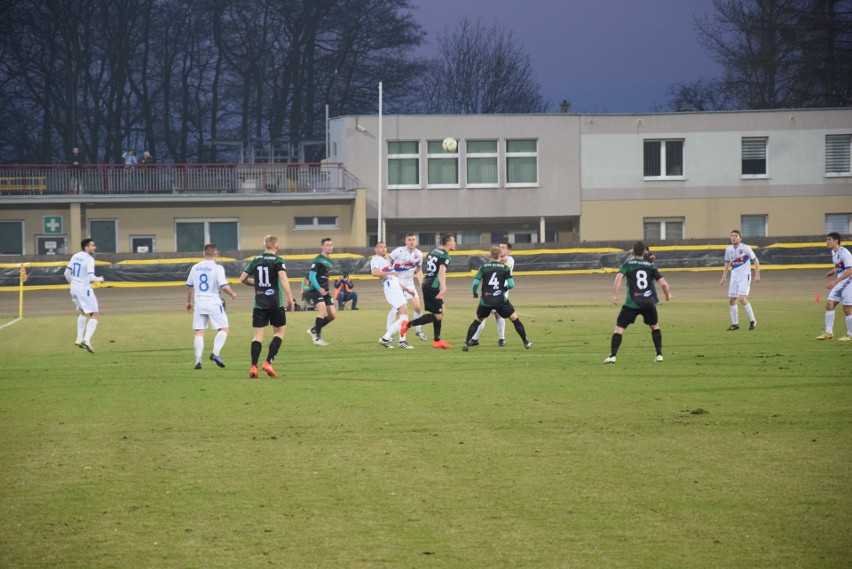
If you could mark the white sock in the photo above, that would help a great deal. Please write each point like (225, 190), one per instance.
(90, 329)
(198, 344)
(416, 316)
(849, 325)
(501, 328)
(829, 321)
(81, 327)
(219, 341)
(750, 312)
(394, 329)
(735, 317)
(391, 317)
(479, 330)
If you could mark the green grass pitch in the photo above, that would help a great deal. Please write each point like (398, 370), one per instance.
(734, 452)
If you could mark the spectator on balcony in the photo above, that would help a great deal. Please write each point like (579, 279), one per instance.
(129, 158)
(147, 159)
(75, 163)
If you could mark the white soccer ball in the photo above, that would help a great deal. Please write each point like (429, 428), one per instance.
(450, 144)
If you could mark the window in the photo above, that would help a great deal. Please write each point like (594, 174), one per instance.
(839, 222)
(754, 157)
(11, 237)
(403, 164)
(143, 243)
(521, 162)
(754, 225)
(104, 232)
(663, 159)
(482, 164)
(469, 237)
(443, 166)
(191, 235)
(663, 229)
(837, 154)
(318, 222)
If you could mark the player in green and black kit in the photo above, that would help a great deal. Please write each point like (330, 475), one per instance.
(640, 300)
(268, 275)
(434, 288)
(496, 279)
(319, 291)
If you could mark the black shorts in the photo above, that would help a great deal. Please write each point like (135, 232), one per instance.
(314, 296)
(628, 315)
(263, 317)
(430, 303)
(503, 310)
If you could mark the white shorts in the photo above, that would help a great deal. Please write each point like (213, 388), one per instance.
(407, 294)
(85, 301)
(842, 292)
(739, 286)
(394, 293)
(217, 320)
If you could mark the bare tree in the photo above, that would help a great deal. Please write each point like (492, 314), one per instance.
(699, 95)
(481, 70)
(775, 54)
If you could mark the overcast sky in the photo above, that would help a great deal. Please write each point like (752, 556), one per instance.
(605, 56)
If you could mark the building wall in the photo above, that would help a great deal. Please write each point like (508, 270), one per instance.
(255, 221)
(591, 172)
(707, 218)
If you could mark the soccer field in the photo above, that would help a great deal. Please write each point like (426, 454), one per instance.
(734, 452)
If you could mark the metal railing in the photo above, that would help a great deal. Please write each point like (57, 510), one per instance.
(111, 179)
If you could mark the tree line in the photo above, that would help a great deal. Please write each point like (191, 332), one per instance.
(177, 76)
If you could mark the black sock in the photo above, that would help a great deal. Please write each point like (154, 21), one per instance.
(519, 328)
(657, 336)
(273, 348)
(318, 324)
(471, 331)
(256, 347)
(614, 344)
(425, 319)
(436, 325)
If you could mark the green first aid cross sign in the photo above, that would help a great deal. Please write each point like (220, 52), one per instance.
(53, 224)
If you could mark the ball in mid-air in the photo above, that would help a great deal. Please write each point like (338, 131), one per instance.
(450, 144)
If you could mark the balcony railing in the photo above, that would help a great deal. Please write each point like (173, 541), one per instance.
(116, 180)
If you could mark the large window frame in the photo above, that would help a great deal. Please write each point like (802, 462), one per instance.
(754, 225)
(521, 157)
(663, 228)
(663, 159)
(753, 153)
(839, 222)
(12, 239)
(442, 167)
(106, 238)
(838, 148)
(211, 229)
(403, 162)
(316, 222)
(482, 163)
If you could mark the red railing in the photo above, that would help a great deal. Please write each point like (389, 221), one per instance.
(112, 179)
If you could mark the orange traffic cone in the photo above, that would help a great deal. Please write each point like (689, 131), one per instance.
(817, 298)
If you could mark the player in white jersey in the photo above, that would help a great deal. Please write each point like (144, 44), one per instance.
(506, 259)
(382, 267)
(408, 262)
(206, 279)
(738, 260)
(80, 274)
(840, 287)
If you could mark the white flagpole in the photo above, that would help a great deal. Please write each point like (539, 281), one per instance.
(379, 183)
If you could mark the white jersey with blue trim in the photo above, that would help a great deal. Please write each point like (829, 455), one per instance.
(206, 279)
(740, 258)
(82, 269)
(842, 260)
(406, 263)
